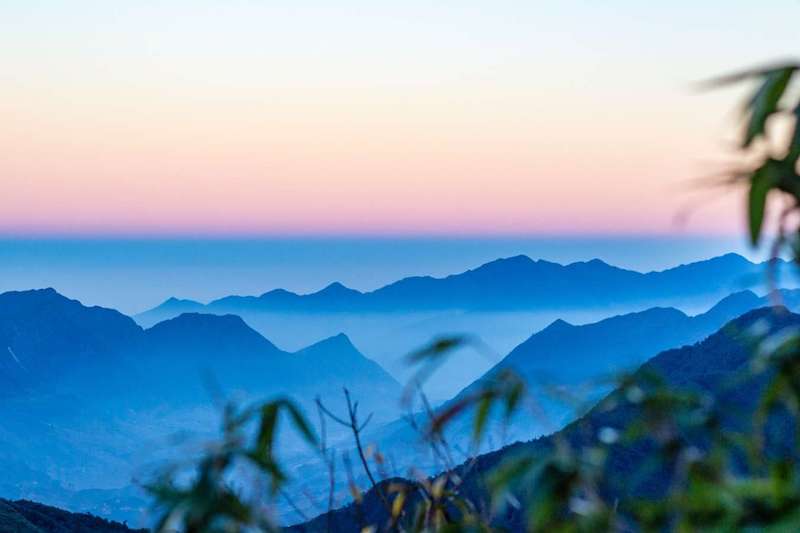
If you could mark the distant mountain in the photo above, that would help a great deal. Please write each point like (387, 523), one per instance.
(568, 368)
(336, 356)
(86, 395)
(53, 343)
(191, 349)
(46, 338)
(505, 284)
(719, 365)
(565, 354)
(23, 516)
(583, 360)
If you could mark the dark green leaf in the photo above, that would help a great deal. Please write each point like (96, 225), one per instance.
(484, 405)
(761, 183)
(765, 102)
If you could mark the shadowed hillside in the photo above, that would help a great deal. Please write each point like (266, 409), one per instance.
(24, 516)
(718, 368)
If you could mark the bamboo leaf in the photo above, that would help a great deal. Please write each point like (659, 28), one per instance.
(760, 184)
(301, 424)
(765, 102)
(484, 405)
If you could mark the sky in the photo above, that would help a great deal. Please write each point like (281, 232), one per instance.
(253, 117)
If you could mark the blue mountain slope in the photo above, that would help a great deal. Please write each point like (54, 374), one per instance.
(51, 343)
(581, 361)
(94, 394)
(565, 354)
(719, 366)
(47, 339)
(334, 358)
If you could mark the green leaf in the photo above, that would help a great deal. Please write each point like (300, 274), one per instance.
(438, 348)
(301, 424)
(762, 181)
(742, 75)
(513, 397)
(794, 141)
(510, 472)
(765, 102)
(266, 431)
(441, 419)
(484, 405)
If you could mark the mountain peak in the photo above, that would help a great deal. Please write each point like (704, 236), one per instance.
(173, 302)
(339, 344)
(226, 332)
(591, 262)
(741, 300)
(558, 325)
(201, 324)
(337, 289)
(730, 258)
(48, 293)
(520, 258)
(277, 292)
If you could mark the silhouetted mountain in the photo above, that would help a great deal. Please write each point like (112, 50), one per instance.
(45, 338)
(565, 354)
(581, 362)
(177, 306)
(720, 366)
(336, 356)
(505, 284)
(193, 347)
(87, 393)
(23, 516)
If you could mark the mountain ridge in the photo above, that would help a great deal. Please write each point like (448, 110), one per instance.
(709, 365)
(516, 282)
(620, 341)
(94, 406)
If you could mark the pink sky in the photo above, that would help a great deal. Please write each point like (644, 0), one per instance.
(245, 119)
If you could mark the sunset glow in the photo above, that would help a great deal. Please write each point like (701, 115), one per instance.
(247, 118)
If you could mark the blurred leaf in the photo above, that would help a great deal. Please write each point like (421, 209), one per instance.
(794, 141)
(482, 413)
(266, 431)
(438, 423)
(765, 102)
(742, 75)
(301, 424)
(761, 183)
(438, 348)
(509, 473)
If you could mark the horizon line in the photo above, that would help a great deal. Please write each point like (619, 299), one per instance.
(255, 236)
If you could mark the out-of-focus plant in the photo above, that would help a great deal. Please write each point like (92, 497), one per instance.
(769, 147)
(206, 499)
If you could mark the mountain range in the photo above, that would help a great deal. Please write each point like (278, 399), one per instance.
(87, 392)
(563, 354)
(504, 284)
(56, 344)
(567, 367)
(719, 366)
(89, 397)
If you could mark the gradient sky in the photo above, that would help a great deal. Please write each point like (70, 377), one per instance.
(448, 117)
